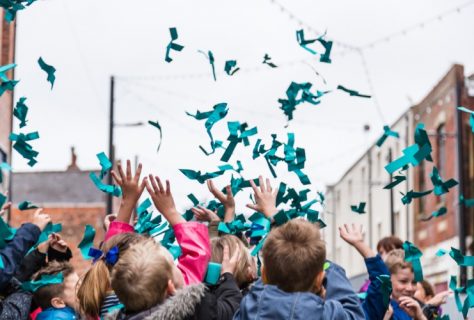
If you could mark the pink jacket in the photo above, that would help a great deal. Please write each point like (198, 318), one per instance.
(192, 237)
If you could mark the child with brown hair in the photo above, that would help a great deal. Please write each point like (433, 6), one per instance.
(58, 300)
(95, 294)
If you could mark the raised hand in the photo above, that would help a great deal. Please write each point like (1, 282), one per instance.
(163, 200)
(5, 207)
(265, 198)
(353, 235)
(229, 264)
(41, 219)
(226, 199)
(132, 189)
(57, 242)
(204, 214)
(412, 308)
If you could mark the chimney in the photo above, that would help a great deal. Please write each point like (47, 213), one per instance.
(73, 165)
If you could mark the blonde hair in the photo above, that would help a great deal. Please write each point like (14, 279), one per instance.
(95, 283)
(395, 261)
(293, 255)
(140, 277)
(241, 271)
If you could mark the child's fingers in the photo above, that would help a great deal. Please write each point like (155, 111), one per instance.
(228, 191)
(269, 186)
(168, 187)
(138, 173)
(161, 189)
(254, 187)
(225, 255)
(154, 185)
(235, 256)
(252, 206)
(129, 170)
(262, 185)
(143, 184)
(120, 170)
(116, 178)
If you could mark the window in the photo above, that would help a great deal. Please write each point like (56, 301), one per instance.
(441, 146)
(441, 155)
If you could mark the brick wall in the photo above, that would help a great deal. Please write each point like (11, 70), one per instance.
(73, 221)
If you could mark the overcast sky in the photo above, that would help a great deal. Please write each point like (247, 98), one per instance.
(89, 40)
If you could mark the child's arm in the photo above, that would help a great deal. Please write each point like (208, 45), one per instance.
(24, 239)
(192, 237)
(374, 305)
(132, 189)
(341, 300)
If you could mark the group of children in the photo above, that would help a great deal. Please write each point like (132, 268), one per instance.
(134, 277)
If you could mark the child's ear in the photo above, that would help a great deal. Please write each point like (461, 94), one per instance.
(318, 282)
(264, 275)
(170, 289)
(57, 303)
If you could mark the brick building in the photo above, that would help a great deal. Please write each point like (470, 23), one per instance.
(69, 197)
(7, 54)
(453, 154)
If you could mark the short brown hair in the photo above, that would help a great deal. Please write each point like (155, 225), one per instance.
(141, 276)
(293, 255)
(395, 261)
(428, 288)
(389, 243)
(234, 243)
(44, 294)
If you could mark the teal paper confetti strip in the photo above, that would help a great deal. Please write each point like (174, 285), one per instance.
(8, 85)
(387, 133)
(385, 288)
(407, 198)
(467, 202)
(7, 233)
(281, 218)
(210, 57)
(218, 112)
(362, 295)
(49, 229)
(469, 301)
(157, 125)
(2, 266)
(143, 207)
(413, 255)
(440, 186)
(23, 147)
(294, 97)
(267, 60)
(193, 199)
(238, 133)
(438, 213)
(457, 291)
(20, 111)
(4, 69)
(325, 57)
(213, 273)
(26, 205)
(397, 180)
(50, 70)
(45, 280)
(258, 247)
(422, 140)
(231, 67)
(471, 118)
(360, 208)
(461, 260)
(175, 251)
(304, 42)
(441, 252)
(172, 45)
(87, 241)
(321, 198)
(116, 191)
(105, 164)
(4, 167)
(352, 93)
(3, 199)
(222, 227)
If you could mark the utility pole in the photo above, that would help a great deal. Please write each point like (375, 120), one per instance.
(111, 141)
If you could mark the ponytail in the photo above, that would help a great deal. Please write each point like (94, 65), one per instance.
(93, 289)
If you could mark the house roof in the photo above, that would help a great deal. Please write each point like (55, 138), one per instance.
(71, 186)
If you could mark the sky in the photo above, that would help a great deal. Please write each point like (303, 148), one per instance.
(88, 41)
